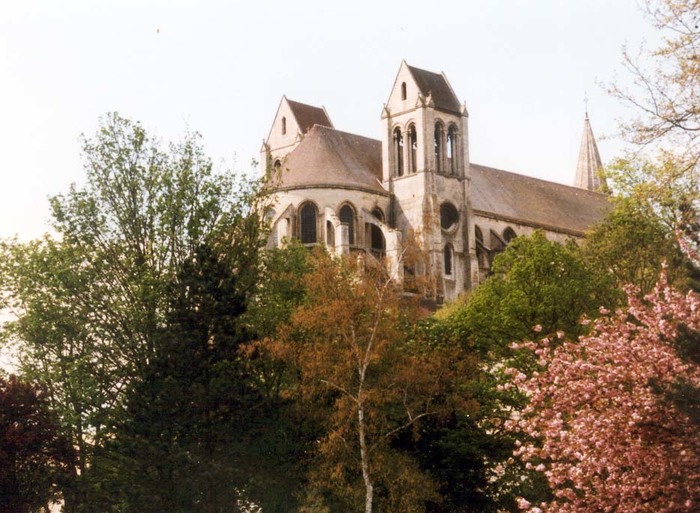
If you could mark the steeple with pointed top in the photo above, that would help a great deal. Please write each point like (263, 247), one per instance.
(589, 167)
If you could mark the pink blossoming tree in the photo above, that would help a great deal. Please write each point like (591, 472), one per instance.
(601, 423)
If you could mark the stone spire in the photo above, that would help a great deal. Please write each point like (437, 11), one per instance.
(589, 167)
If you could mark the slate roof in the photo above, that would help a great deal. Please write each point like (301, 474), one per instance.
(437, 86)
(330, 158)
(327, 158)
(307, 116)
(523, 199)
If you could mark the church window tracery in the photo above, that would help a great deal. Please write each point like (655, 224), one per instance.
(308, 216)
(398, 152)
(347, 216)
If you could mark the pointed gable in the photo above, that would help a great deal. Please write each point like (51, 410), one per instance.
(307, 116)
(589, 166)
(414, 84)
(438, 88)
(292, 121)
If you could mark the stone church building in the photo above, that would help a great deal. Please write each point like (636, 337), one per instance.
(415, 187)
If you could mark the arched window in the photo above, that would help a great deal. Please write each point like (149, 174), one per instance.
(412, 148)
(452, 150)
(377, 212)
(439, 150)
(403, 90)
(480, 248)
(308, 216)
(330, 235)
(398, 152)
(377, 242)
(277, 166)
(448, 254)
(284, 126)
(347, 216)
(508, 235)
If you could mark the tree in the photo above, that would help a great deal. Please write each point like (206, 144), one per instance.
(366, 383)
(190, 419)
(535, 282)
(666, 87)
(33, 455)
(91, 302)
(631, 244)
(603, 422)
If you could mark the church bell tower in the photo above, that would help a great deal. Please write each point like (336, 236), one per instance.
(425, 166)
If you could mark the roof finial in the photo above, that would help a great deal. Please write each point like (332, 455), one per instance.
(585, 102)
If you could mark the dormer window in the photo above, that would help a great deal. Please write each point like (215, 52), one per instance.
(284, 126)
(403, 90)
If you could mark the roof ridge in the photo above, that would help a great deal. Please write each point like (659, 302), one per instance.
(537, 179)
(343, 132)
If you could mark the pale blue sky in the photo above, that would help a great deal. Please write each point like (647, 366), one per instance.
(221, 67)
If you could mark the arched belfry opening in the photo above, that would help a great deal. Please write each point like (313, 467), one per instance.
(412, 149)
(439, 146)
(452, 151)
(398, 152)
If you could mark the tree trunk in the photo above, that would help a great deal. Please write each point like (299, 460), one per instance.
(364, 457)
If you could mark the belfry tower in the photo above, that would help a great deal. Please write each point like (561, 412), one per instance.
(425, 166)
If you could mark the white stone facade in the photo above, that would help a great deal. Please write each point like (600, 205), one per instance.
(417, 184)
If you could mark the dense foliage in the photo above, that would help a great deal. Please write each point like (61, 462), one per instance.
(366, 382)
(34, 457)
(601, 422)
(91, 303)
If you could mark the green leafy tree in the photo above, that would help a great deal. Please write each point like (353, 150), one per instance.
(664, 99)
(631, 244)
(90, 303)
(537, 286)
(34, 457)
(535, 283)
(361, 376)
(189, 421)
